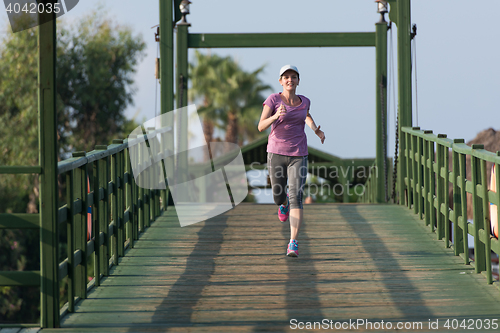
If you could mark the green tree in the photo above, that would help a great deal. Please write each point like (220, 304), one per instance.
(19, 249)
(96, 61)
(96, 64)
(231, 99)
(18, 118)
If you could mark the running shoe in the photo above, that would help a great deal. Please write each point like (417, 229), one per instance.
(284, 211)
(293, 249)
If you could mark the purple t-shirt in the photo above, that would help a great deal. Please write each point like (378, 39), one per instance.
(287, 135)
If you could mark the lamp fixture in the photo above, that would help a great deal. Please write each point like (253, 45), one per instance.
(184, 6)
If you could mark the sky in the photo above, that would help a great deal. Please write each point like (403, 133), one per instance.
(456, 61)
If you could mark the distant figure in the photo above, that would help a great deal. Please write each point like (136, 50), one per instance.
(287, 113)
(493, 208)
(309, 200)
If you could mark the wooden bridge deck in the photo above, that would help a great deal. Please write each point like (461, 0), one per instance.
(230, 274)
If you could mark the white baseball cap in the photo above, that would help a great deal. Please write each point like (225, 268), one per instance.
(288, 67)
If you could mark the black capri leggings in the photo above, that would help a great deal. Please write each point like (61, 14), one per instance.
(291, 168)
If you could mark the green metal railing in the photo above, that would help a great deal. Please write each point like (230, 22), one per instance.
(121, 210)
(371, 189)
(377, 183)
(436, 188)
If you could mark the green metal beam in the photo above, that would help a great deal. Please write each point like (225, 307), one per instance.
(182, 92)
(19, 221)
(404, 63)
(182, 64)
(167, 76)
(20, 170)
(344, 39)
(381, 111)
(166, 56)
(20, 279)
(404, 83)
(49, 266)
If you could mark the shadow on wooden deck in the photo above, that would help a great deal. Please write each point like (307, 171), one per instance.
(230, 274)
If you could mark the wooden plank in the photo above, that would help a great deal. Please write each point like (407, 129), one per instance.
(230, 274)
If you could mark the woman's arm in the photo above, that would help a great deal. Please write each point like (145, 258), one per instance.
(266, 119)
(310, 122)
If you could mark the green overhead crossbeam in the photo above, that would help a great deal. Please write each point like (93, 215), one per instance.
(344, 39)
(377, 39)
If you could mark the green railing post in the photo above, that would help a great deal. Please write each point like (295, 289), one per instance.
(463, 201)
(432, 185)
(80, 227)
(446, 186)
(147, 190)
(120, 204)
(440, 188)
(484, 232)
(137, 202)
(47, 144)
(427, 180)
(408, 161)
(104, 211)
(478, 216)
(70, 199)
(457, 203)
(381, 109)
(114, 208)
(140, 201)
(129, 202)
(96, 230)
(421, 202)
(415, 158)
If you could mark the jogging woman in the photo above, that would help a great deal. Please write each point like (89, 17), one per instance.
(286, 113)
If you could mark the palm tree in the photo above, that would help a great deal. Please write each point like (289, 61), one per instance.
(231, 98)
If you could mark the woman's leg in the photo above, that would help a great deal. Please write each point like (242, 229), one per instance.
(297, 173)
(277, 168)
(296, 217)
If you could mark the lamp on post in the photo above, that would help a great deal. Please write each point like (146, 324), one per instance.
(382, 9)
(184, 6)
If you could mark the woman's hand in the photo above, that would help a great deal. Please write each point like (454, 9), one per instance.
(320, 133)
(281, 111)
(266, 119)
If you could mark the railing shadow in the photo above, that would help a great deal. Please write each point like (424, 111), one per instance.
(200, 267)
(405, 296)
